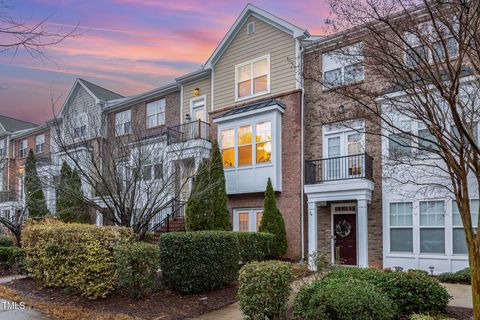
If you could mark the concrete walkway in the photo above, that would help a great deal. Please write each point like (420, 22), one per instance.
(10, 310)
(462, 295)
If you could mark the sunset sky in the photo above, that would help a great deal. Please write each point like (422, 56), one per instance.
(127, 46)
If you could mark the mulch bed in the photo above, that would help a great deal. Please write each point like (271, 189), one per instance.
(162, 305)
(460, 313)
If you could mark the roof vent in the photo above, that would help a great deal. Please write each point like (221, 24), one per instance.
(251, 28)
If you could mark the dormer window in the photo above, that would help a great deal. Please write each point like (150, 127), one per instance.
(252, 78)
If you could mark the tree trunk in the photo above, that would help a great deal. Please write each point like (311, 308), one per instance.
(474, 258)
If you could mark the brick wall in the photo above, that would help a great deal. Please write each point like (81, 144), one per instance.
(289, 200)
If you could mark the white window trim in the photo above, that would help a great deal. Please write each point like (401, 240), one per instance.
(252, 218)
(196, 99)
(237, 98)
(342, 65)
(416, 44)
(390, 227)
(156, 114)
(248, 27)
(122, 120)
(42, 144)
(20, 149)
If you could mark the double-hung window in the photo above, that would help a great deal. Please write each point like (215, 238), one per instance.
(427, 142)
(3, 148)
(123, 123)
(432, 227)
(459, 242)
(343, 66)
(80, 126)
(401, 227)
(40, 143)
(247, 220)
(240, 151)
(152, 170)
(22, 148)
(252, 78)
(156, 113)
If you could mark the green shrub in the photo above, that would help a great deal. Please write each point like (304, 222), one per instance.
(413, 292)
(264, 289)
(9, 256)
(419, 271)
(199, 261)
(254, 246)
(77, 256)
(5, 241)
(346, 299)
(136, 268)
(272, 222)
(426, 317)
(461, 276)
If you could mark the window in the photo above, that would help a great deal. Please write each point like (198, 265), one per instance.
(432, 226)
(252, 78)
(263, 142)
(22, 148)
(344, 66)
(80, 126)
(3, 149)
(123, 124)
(439, 50)
(401, 227)
(123, 174)
(399, 145)
(416, 55)
(245, 146)
(459, 241)
(426, 140)
(251, 27)
(40, 143)
(247, 220)
(154, 171)
(418, 52)
(198, 109)
(6, 215)
(155, 113)
(228, 148)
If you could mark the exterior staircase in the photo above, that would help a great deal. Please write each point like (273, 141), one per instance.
(171, 221)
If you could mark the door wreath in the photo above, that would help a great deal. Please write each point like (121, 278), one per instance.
(343, 228)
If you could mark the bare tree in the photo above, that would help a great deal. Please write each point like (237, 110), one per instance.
(32, 36)
(136, 179)
(421, 62)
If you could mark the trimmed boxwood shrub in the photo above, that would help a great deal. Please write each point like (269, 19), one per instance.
(136, 268)
(462, 276)
(5, 241)
(264, 289)
(254, 246)
(199, 261)
(413, 292)
(75, 256)
(346, 299)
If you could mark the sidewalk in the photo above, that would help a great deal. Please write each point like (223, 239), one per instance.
(462, 295)
(15, 311)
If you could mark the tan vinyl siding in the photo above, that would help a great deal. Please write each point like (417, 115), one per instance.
(205, 86)
(265, 40)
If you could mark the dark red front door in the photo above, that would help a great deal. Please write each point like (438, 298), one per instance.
(345, 238)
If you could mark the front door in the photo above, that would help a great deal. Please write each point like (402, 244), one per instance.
(345, 239)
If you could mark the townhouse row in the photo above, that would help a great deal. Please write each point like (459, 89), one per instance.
(251, 95)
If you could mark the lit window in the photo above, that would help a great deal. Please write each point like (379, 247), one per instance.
(123, 123)
(245, 146)
(39, 143)
(253, 78)
(155, 113)
(259, 219)
(432, 227)
(247, 220)
(263, 142)
(401, 230)
(243, 221)
(459, 241)
(228, 148)
(22, 148)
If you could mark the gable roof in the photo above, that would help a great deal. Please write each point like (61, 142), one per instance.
(251, 10)
(100, 92)
(11, 124)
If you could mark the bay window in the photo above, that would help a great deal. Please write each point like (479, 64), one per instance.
(247, 220)
(156, 113)
(252, 78)
(401, 227)
(123, 123)
(459, 242)
(228, 148)
(245, 145)
(432, 227)
(263, 142)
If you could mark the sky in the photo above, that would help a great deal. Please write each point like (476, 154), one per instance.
(127, 46)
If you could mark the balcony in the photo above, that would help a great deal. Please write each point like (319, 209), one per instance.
(359, 166)
(7, 196)
(188, 131)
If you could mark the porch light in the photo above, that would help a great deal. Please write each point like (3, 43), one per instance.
(21, 170)
(196, 92)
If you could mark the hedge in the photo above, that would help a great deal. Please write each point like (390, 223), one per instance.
(413, 292)
(346, 299)
(462, 276)
(5, 241)
(199, 261)
(254, 246)
(76, 256)
(264, 288)
(9, 256)
(136, 268)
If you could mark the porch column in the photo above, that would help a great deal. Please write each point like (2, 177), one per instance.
(312, 232)
(362, 224)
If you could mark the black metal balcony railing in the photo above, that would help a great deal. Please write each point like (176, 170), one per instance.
(358, 166)
(6, 196)
(188, 131)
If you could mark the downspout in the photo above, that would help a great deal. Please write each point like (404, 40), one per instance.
(302, 203)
